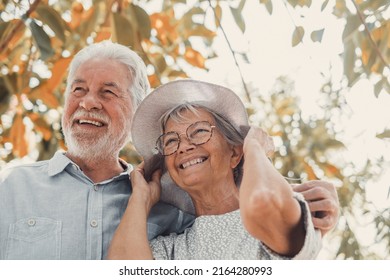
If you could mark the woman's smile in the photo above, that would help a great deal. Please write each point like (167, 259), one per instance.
(192, 162)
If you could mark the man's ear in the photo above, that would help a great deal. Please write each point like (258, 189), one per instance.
(236, 156)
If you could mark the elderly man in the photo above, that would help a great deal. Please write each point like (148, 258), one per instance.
(69, 207)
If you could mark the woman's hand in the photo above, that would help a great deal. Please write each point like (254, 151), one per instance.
(130, 241)
(144, 192)
(258, 136)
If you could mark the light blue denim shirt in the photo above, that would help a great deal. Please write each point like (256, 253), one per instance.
(51, 210)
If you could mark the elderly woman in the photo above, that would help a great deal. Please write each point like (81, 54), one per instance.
(244, 208)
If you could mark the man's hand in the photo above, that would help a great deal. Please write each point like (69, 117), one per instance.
(323, 203)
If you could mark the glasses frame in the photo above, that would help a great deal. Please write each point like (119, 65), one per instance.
(186, 134)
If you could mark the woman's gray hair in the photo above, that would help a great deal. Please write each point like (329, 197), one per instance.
(106, 49)
(229, 132)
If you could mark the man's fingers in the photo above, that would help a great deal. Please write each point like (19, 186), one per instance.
(323, 224)
(300, 187)
(322, 205)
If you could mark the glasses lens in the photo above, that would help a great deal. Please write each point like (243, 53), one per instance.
(199, 133)
(168, 143)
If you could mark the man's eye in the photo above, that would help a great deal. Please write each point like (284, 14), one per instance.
(78, 90)
(109, 92)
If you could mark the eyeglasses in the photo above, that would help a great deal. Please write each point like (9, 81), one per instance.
(197, 133)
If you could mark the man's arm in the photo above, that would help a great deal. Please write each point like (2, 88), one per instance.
(323, 203)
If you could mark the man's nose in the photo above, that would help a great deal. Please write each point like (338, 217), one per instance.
(90, 102)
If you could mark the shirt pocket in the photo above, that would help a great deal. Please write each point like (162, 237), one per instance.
(34, 238)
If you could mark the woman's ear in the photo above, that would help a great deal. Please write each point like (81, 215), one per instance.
(236, 156)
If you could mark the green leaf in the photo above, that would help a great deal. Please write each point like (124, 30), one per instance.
(5, 96)
(88, 26)
(201, 30)
(42, 40)
(304, 3)
(143, 21)
(269, 7)
(195, 11)
(187, 18)
(349, 58)
(293, 2)
(323, 6)
(3, 27)
(373, 5)
(218, 15)
(50, 17)
(351, 27)
(298, 34)
(316, 36)
(160, 63)
(384, 134)
(340, 9)
(123, 30)
(378, 87)
(237, 15)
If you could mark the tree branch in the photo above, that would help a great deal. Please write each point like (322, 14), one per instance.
(232, 52)
(369, 35)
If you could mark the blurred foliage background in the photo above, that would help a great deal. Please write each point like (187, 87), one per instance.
(39, 38)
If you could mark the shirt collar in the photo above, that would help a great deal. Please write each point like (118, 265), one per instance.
(60, 161)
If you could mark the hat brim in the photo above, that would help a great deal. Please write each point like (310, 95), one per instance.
(146, 126)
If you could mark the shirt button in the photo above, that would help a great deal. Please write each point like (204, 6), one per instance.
(94, 223)
(31, 222)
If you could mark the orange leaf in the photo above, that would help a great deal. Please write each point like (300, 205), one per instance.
(104, 34)
(45, 94)
(154, 81)
(309, 171)
(194, 57)
(41, 125)
(76, 14)
(58, 72)
(166, 30)
(377, 34)
(46, 133)
(331, 171)
(365, 52)
(17, 136)
(18, 35)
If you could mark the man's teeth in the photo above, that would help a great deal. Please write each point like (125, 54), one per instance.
(91, 122)
(192, 162)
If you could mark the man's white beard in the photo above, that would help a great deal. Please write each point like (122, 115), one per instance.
(94, 150)
(99, 147)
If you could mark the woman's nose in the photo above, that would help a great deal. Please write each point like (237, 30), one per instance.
(185, 144)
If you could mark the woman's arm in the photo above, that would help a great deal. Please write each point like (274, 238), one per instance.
(268, 209)
(130, 240)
